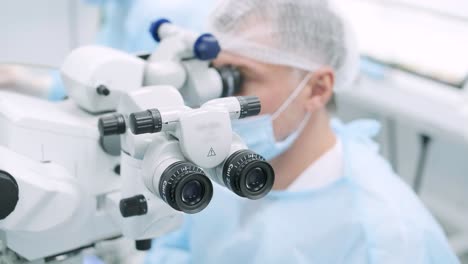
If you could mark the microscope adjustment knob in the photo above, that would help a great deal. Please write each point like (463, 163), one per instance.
(9, 194)
(143, 245)
(133, 206)
(154, 28)
(102, 90)
(250, 106)
(148, 121)
(206, 47)
(112, 125)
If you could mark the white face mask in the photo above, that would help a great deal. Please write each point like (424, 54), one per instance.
(257, 132)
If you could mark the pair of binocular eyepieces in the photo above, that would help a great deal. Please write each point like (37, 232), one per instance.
(187, 188)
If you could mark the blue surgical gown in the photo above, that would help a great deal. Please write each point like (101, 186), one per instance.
(367, 216)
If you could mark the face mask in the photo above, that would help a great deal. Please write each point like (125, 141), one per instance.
(257, 132)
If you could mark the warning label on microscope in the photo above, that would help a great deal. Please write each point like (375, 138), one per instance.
(211, 153)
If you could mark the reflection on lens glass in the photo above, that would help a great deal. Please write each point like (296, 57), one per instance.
(255, 180)
(192, 193)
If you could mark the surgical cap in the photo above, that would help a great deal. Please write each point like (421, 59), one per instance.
(303, 34)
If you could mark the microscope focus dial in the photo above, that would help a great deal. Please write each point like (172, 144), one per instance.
(9, 194)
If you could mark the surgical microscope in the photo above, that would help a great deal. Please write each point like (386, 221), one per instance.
(182, 60)
(66, 184)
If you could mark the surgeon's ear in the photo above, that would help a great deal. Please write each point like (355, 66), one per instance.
(320, 89)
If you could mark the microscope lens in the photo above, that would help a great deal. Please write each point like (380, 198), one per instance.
(255, 179)
(192, 192)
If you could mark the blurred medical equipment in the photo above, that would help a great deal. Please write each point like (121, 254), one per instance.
(88, 201)
(123, 23)
(96, 77)
(63, 186)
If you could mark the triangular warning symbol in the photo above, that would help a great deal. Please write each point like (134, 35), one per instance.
(212, 153)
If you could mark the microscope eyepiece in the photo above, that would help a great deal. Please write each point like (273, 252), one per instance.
(248, 175)
(206, 47)
(112, 125)
(154, 28)
(232, 80)
(250, 106)
(148, 121)
(185, 187)
(255, 179)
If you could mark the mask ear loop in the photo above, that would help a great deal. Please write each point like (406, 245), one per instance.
(293, 96)
(304, 122)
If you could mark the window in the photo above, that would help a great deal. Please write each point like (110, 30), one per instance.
(426, 37)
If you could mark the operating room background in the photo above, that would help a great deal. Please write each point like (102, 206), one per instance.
(413, 81)
(45, 31)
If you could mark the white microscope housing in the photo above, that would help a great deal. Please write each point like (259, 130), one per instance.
(65, 186)
(63, 177)
(95, 77)
(157, 218)
(206, 140)
(60, 184)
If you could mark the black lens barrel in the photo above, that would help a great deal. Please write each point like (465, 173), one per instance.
(144, 122)
(249, 106)
(185, 187)
(232, 80)
(248, 175)
(111, 125)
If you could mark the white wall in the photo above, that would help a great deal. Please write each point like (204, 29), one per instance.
(44, 31)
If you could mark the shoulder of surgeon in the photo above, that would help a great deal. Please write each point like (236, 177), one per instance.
(392, 215)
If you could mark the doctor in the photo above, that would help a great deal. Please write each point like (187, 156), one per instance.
(335, 199)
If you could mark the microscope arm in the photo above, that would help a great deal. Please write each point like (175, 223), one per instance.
(165, 73)
(34, 196)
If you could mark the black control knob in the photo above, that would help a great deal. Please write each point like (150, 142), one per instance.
(112, 125)
(148, 121)
(133, 206)
(250, 106)
(102, 90)
(143, 245)
(9, 194)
